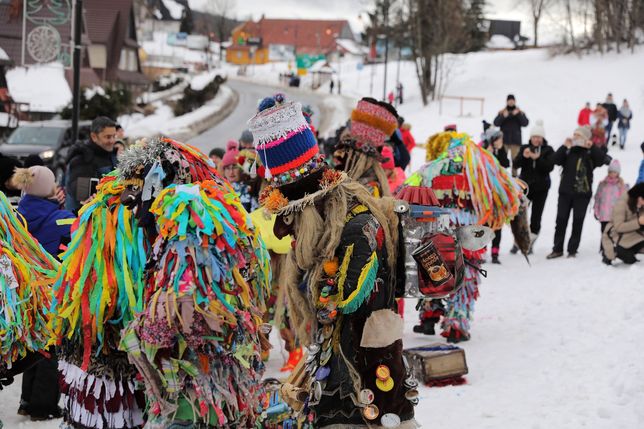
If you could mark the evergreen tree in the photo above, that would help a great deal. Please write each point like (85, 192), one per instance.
(475, 28)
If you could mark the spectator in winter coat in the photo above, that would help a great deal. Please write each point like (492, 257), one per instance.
(493, 142)
(216, 155)
(407, 137)
(535, 160)
(624, 117)
(90, 160)
(624, 236)
(599, 114)
(584, 115)
(608, 192)
(51, 227)
(511, 119)
(598, 136)
(611, 109)
(402, 156)
(233, 172)
(578, 157)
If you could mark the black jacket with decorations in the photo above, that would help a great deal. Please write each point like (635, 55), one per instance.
(367, 311)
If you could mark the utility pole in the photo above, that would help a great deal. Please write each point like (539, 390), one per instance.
(78, 29)
(386, 11)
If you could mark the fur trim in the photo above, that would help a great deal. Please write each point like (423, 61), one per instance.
(22, 178)
(381, 124)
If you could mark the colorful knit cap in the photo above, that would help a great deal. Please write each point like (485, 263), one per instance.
(372, 123)
(285, 144)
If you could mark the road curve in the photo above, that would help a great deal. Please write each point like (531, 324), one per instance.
(249, 95)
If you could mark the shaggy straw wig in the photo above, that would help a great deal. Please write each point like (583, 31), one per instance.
(358, 165)
(317, 238)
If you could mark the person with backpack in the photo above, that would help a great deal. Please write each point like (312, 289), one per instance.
(493, 142)
(623, 237)
(578, 157)
(608, 193)
(535, 160)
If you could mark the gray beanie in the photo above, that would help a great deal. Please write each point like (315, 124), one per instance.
(246, 137)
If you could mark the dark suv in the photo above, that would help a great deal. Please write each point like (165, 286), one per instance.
(51, 140)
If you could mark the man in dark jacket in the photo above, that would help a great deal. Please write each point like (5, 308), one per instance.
(535, 160)
(611, 108)
(510, 120)
(90, 160)
(578, 157)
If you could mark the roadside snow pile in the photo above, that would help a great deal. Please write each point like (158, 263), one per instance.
(200, 81)
(43, 86)
(163, 121)
(3, 55)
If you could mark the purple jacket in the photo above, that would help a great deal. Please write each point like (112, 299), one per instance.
(608, 192)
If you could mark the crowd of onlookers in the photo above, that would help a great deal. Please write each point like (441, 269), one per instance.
(619, 210)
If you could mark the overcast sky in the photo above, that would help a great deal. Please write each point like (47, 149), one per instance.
(351, 9)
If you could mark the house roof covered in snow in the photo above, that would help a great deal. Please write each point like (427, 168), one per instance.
(43, 86)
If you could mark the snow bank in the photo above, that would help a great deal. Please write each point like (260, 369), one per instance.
(3, 55)
(163, 121)
(43, 86)
(200, 81)
(498, 41)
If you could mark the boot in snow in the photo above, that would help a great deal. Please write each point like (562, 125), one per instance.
(514, 249)
(426, 327)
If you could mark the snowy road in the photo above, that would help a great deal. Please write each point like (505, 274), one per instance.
(249, 96)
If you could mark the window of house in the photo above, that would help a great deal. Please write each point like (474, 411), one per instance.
(97, 56)
(128, 60)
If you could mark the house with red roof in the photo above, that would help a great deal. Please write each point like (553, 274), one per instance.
(284, 39)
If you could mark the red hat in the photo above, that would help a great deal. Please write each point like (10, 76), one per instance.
(232, 152)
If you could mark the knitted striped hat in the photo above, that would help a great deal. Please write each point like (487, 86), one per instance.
(285, 144)
(372, 123)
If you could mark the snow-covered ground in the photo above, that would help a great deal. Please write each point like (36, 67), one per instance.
(554, 344)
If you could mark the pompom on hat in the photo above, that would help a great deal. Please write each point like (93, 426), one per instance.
(37, 181)
(372, 123)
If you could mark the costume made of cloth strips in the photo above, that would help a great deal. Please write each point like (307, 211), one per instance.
(471, 188)
(27, 272)
(339, 280)
(99, 290)
(196, 343)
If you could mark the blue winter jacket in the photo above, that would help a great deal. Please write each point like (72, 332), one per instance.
(640, 178)
(42, 216)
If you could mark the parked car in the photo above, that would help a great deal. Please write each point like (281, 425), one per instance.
(51, 140)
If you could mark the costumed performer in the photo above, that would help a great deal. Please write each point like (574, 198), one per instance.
(339, 280)
(197, 342)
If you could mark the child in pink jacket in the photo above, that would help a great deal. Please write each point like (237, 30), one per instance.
(608, 192)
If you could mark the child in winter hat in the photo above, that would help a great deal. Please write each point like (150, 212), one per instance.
(609, 190)
(50, 225)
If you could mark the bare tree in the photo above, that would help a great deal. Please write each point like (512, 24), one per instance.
(537, 8)
(221, 10)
